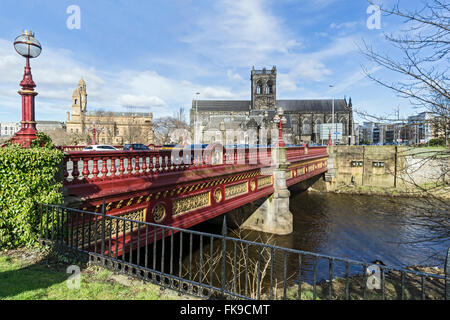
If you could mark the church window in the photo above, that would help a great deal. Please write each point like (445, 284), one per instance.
(306, 127)
(76, 101)
(269, 89)
(258, 88)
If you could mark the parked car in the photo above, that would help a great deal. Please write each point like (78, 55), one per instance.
(135, 147)
(99, 147)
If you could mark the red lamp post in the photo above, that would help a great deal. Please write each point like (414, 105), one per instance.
(94, 133)
(27, 46)
(280, 120)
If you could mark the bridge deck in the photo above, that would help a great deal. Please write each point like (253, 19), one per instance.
(155, 186)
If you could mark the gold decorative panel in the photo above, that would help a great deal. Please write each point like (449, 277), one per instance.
(195, 202)
(311, 168)
(266, 181)
(300, 171)
(113, 227)
(236, 190)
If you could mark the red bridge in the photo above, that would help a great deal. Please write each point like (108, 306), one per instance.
(182, 188)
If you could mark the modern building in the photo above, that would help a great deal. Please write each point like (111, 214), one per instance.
(217, 118)
(8, 129)
(422, 128)
(115, 128)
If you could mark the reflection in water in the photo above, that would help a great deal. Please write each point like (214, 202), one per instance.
(362, 228)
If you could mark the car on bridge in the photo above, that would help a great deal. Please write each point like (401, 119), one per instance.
(135, 147)
(100, 147)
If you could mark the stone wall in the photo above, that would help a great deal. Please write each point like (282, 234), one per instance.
(383, 167)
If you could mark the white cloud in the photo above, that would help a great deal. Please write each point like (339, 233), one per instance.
(241, 33)
(344, 25)
(234, 76)
(57, 72)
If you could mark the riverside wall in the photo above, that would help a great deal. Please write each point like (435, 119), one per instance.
(383, 169)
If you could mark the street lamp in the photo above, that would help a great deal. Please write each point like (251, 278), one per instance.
(94, 133)
(332, 117)
(197, 138)
(27, 46)
(280, 120)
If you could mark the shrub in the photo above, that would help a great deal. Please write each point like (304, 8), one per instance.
(437, 142)
(27, 177)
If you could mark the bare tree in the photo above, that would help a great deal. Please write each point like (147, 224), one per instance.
(165, 127)
(419, 56)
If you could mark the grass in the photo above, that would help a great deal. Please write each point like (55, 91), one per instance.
(29, 274)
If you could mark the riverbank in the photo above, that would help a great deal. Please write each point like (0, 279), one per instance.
(37, 274)
(424, 191)
(434, 288)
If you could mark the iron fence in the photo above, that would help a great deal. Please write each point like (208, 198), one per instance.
(223, 267)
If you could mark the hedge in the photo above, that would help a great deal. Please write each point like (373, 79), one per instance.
(27, 177)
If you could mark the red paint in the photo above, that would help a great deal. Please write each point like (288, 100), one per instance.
(27, 132)
(170, 184)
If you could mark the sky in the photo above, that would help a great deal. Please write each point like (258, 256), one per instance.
(156, 55)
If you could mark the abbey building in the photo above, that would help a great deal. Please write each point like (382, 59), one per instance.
(115, 128)
(308, 121)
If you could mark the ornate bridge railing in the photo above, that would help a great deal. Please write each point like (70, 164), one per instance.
(88, 167)
(220, 266)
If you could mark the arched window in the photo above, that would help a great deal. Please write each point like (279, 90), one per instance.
(269, 89)
(258, 87)
(317, 126)
(306, 127)
(76, 101)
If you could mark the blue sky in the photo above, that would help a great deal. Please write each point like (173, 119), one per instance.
(155, 55)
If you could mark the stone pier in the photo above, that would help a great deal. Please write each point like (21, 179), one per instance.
(274, 216)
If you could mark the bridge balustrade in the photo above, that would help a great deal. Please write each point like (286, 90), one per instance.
(83, 167)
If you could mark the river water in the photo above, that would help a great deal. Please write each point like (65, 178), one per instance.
(363, 228)
(357, 227)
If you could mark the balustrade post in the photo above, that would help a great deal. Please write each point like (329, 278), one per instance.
(121, 167)
(105, 168)
(85, 171)
(95, 170)
(137, 166)
(75, 172)
(144, 164)
(129, 167)
(157, 166)
(150, 164)
(113, 169)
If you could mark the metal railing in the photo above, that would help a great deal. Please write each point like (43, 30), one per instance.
(219, 266)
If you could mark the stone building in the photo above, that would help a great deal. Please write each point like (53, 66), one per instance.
(212, 118)
(115, 128)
